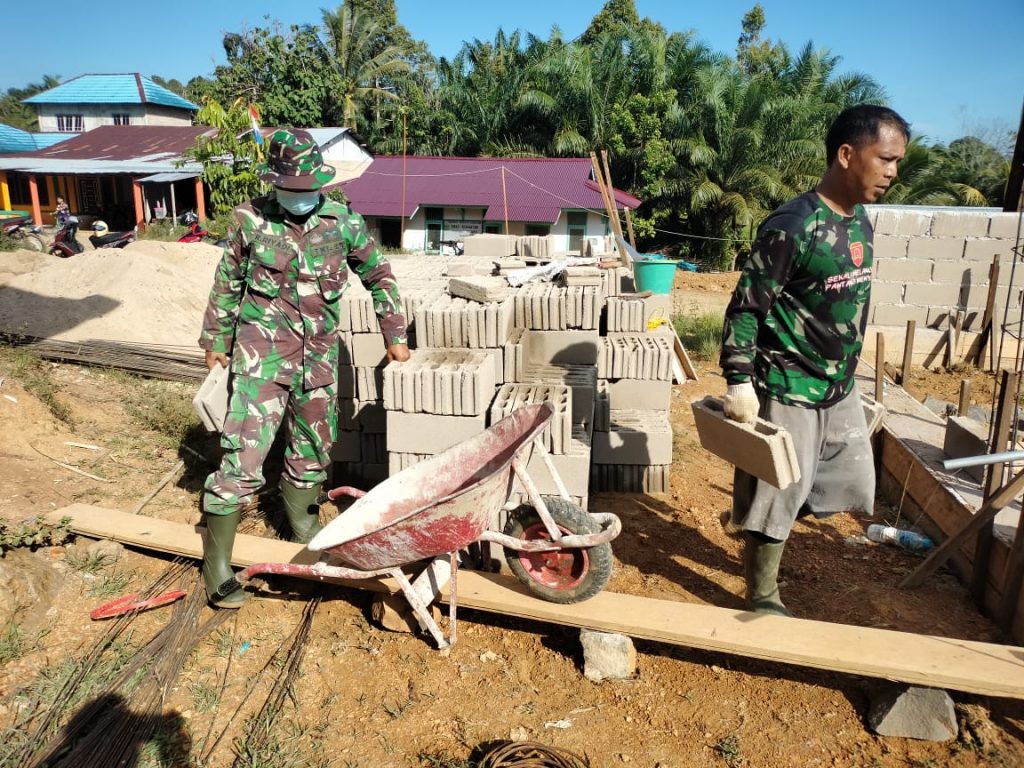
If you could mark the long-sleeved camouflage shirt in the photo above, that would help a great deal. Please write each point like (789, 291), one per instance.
(274, 303)
(795, 324)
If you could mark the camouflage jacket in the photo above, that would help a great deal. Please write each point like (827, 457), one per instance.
(795, 324)
(274, 306)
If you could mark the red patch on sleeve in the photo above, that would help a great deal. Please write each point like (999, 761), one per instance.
(857, 253)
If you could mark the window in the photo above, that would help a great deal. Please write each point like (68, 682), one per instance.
(576, 223)
(20, 192)
(492, 229)
(69, 123)
(540, 230)
(122, 118)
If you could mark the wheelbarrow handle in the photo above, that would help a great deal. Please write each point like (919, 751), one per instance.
(345, 490)
(128, 603)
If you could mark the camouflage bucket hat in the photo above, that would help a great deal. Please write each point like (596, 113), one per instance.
(294, 162)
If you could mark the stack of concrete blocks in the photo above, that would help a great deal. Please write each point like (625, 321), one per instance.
(928, 262)
(632, 442)
(489, 246)
(436, 399)
(548, 307)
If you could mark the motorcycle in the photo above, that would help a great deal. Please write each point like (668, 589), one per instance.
(195, 233)
(65, 243)
(104, 238)
(24, 233)
(452, 248)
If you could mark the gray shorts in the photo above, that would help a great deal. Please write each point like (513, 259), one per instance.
(837, 469)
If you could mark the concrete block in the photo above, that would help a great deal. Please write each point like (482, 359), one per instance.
(369, 383)
(373, 448)
(984, 249)
(346, 380)
(347, 419)
(347, 447)
(911, 712)
(902, 222)
(582, 379)
(211, 401)
(635, 356)
(637, 394)
(607, 656)
(938, 317)
(480, 288)
(371, 416)
(966, 437)
(890, 247)
(572, 466)
(959, 224)
(937, 249)
(460, 269)
(513, 357)
(558, 433)
(399, 461)
(635, 437)
(368, 350)
(489, 246)
(561, 347)
(454, 382)
(898, 314)
(631, 314)
(629, 478)
(430, 433)
(874, 414)
(904, 270)
(761, 449)
(960, 272)
(887, 293)
(1005, 225)
(934, 294)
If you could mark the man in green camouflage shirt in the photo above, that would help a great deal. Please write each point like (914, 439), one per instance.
(274, 311)
(793, 334)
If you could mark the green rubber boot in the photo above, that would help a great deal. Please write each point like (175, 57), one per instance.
(302, 511)
(218, 540)
(761, 558)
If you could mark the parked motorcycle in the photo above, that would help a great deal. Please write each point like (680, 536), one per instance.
(195, 233)
(452, 248)
(65, 243)
(24, 233)
(104, 238)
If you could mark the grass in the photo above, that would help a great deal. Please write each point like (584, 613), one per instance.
(33, 374)
(112, 584)
(14, 643)
(701, 334)
(164, 407)
(205, 697)
(85, 562)
(728, 749)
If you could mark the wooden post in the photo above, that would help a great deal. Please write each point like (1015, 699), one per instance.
(629, 228)
(879, 367)
(33, 192)
(609, 208)
(1013, 575)
(1005, 413)
(611, 193)
(140, 219)
(908, 351)
(965, 397)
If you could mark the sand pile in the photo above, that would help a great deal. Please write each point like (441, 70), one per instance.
(150, 293)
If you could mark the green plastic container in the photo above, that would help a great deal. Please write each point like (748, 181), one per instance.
(654, 275)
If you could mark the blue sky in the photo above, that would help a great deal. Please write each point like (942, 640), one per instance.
(949, 67)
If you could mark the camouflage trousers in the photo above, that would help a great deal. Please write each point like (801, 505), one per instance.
(837, 469)
(256, 409)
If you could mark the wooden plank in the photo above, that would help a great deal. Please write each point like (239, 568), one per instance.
(629, 227)
(611, 192)
(964, 665)
(987, 319)
(965, 397)
(681, 354)
(879, 367)
(1013, 575)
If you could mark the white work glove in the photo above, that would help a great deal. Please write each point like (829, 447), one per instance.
(740, 403)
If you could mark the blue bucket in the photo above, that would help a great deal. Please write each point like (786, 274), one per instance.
(654, 275)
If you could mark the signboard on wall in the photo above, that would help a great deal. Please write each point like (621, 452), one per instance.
(457, 229)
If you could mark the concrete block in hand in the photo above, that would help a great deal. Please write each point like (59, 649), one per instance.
(211, 401)
(761, 449)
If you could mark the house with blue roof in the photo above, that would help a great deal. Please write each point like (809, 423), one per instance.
(16, 140)
(90, 101)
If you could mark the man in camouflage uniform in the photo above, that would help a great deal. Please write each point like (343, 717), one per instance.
(793, 333)
(274, 312)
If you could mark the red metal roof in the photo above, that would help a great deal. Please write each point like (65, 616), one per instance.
(536, 190)
(124, 142)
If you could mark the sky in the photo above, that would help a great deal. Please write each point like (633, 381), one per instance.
(949, 67)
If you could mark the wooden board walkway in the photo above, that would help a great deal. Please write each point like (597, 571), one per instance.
(963, 665)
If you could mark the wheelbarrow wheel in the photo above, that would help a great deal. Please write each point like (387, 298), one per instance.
(565, 575)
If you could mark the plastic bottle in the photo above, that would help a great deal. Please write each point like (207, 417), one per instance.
(911, 540)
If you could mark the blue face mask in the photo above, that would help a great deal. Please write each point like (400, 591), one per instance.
(298, 203)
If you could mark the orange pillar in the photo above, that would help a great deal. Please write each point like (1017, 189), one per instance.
(33, 191)
(200, 199)
(72, 184)
(140, 219)
(5, 192)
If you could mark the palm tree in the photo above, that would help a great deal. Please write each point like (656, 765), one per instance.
(362, 65)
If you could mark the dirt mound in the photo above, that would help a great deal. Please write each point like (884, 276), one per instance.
(150, 292)
(14, 263)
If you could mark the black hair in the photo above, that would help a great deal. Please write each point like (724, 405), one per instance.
(859, 125)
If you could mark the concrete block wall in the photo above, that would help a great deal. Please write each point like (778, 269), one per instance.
(477, 355)
(931, 261)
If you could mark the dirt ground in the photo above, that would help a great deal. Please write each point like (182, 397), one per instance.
(368, 697)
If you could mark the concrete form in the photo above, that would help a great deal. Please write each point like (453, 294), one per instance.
(451, 382)
(558, 433)
(635, 356)
(637, 315)
(638, 437)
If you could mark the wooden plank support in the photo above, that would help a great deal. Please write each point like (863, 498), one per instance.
(987, 337)
(965, 397)
(879, 367)
(1005, 413)
(987, 669)
(1013, 576)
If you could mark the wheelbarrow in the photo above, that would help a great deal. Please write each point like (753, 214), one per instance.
(434, 509)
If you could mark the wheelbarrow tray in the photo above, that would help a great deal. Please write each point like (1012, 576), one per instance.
(438, 506)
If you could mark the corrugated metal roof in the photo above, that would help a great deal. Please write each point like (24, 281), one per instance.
(124, 88)
(16, 140)
(536, 190)
(174, 176)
